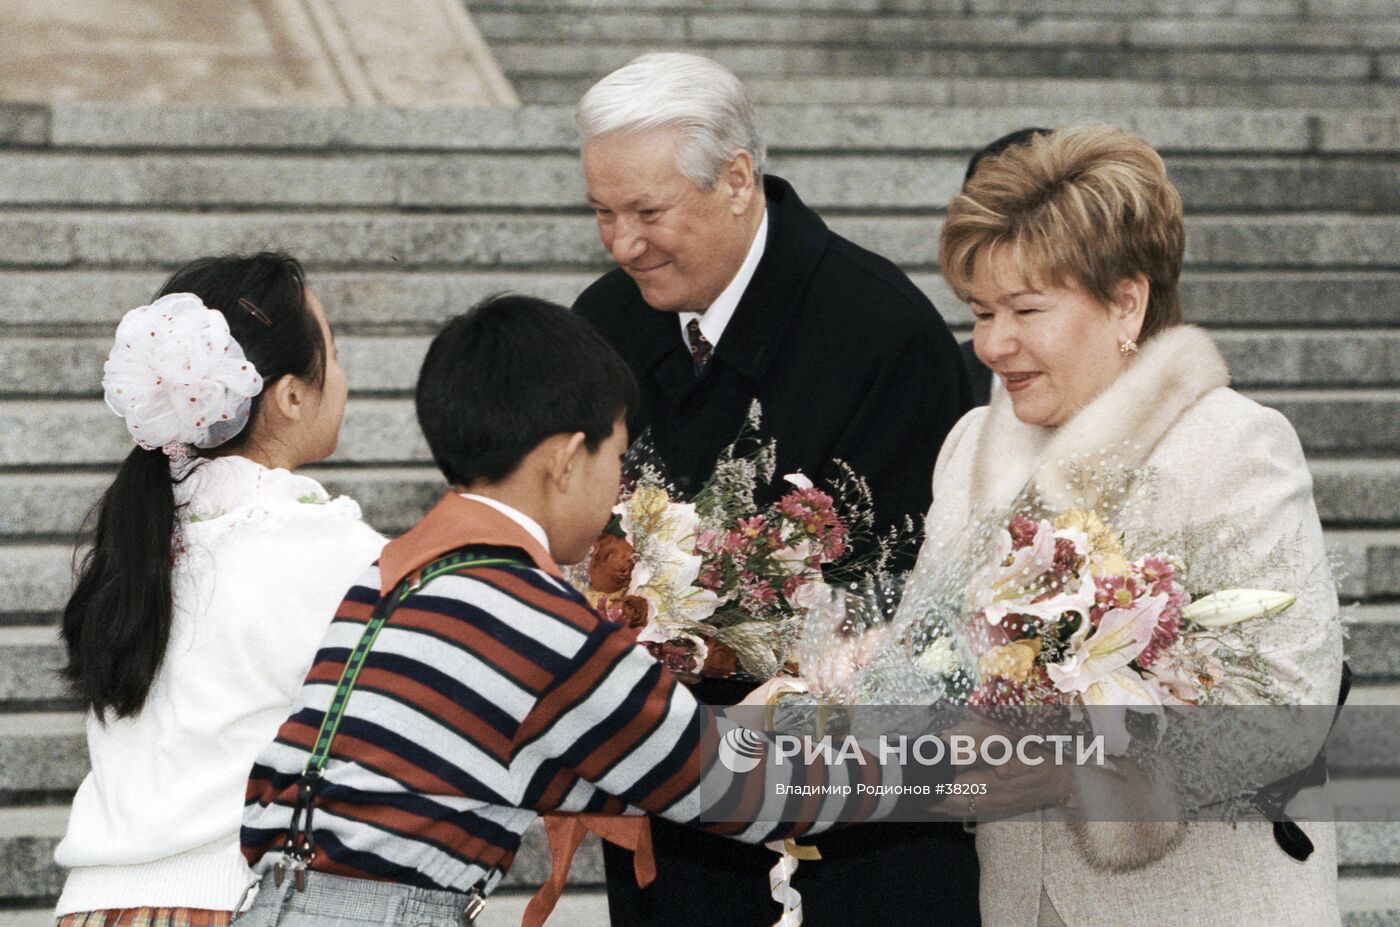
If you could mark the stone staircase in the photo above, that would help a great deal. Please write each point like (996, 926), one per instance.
(1277, 119)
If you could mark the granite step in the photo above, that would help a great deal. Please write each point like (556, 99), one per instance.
(68, 366)
(793, 58)
(579, 907)
(1243, 10)
(701, 27)
(1336, 422)
(1287, 127)
(41, 727)
(1089, 92)
(850, 181)
(35, 577)
(361, 240)
(44, 755)
(31, 656)
(35, 506)
(28, 835)
(76, 302)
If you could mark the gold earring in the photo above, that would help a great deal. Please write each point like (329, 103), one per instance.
(1127, 347)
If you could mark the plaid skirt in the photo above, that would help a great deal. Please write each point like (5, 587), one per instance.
(148, 917)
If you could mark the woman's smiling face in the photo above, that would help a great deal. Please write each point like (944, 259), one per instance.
(1054, 347)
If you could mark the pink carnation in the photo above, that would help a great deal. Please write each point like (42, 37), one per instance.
(1022, 531)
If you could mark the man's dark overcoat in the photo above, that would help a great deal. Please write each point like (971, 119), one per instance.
(850, 362)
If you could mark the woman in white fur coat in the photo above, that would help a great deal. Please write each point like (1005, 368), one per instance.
(1068, 250)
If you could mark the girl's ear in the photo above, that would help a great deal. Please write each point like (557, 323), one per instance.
(286, 398)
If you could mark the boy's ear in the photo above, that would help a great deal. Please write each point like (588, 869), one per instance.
(564, 456)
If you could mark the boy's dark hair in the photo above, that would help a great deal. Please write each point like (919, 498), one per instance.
(509, 373)
(1009, 140)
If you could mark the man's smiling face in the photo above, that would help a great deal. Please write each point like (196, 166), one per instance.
(681, 244)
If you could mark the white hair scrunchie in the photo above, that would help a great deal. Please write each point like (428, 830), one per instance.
(178, 377)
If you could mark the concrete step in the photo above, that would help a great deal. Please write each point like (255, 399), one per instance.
(792, 57)
(1287, 126)
(65, 366)
(35, 577)
(700, 27)
(27, 837)
(384, 431)
(362, 240)
(31, 656)
(1348, 421)
(1366, 563)
(579, 907)
(1373, 642)
(45, 753)
(69, 302)
(1246, 11)
(1090, 92)
(1350, 493)
(852, 181)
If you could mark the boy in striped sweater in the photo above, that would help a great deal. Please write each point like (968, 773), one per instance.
(420, 748)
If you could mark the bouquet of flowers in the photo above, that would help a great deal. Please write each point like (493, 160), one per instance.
(1062, 616)
(717, 585)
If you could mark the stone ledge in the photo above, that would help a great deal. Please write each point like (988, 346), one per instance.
(54, 367)
(497, 241)
(847, 181)
(1091, 96)
(35, 578)
(400, 302)
(384, 431)
(546, 56)
(801, 26)
(28, 872)
(1285, 126)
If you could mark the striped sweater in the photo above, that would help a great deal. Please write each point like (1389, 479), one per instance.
(490, 696)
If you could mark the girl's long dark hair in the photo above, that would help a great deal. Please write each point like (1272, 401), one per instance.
(117, 623)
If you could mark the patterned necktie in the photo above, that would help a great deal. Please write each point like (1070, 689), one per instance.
(700, 347)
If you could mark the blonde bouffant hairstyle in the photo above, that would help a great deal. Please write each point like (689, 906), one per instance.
(1090, 204)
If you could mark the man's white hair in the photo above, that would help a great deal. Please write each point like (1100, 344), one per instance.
(700, 99)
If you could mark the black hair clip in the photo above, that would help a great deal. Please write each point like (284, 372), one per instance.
(254, 311)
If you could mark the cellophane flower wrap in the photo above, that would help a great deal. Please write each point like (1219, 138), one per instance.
(718, 585)
(1037, 606)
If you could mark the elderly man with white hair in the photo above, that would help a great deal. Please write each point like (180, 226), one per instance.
(729, 289)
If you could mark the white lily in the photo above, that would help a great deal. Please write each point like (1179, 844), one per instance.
(1110, 699)
(793, 558)
(1122, 634)
(669, 585)
(1010, 584)
(812, 594)
(799, 480)
(1231, 606)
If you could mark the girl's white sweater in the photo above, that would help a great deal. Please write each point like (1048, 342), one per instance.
(266, 556)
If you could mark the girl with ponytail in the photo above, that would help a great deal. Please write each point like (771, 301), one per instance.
(213, 572)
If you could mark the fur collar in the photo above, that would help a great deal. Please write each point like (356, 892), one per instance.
(1172, 372)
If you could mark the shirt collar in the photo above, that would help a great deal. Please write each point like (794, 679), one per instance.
(715, 319)
(455, 522)
(515, 515)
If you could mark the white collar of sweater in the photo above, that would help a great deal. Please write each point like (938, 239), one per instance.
(1120, 426)
(221, 485)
